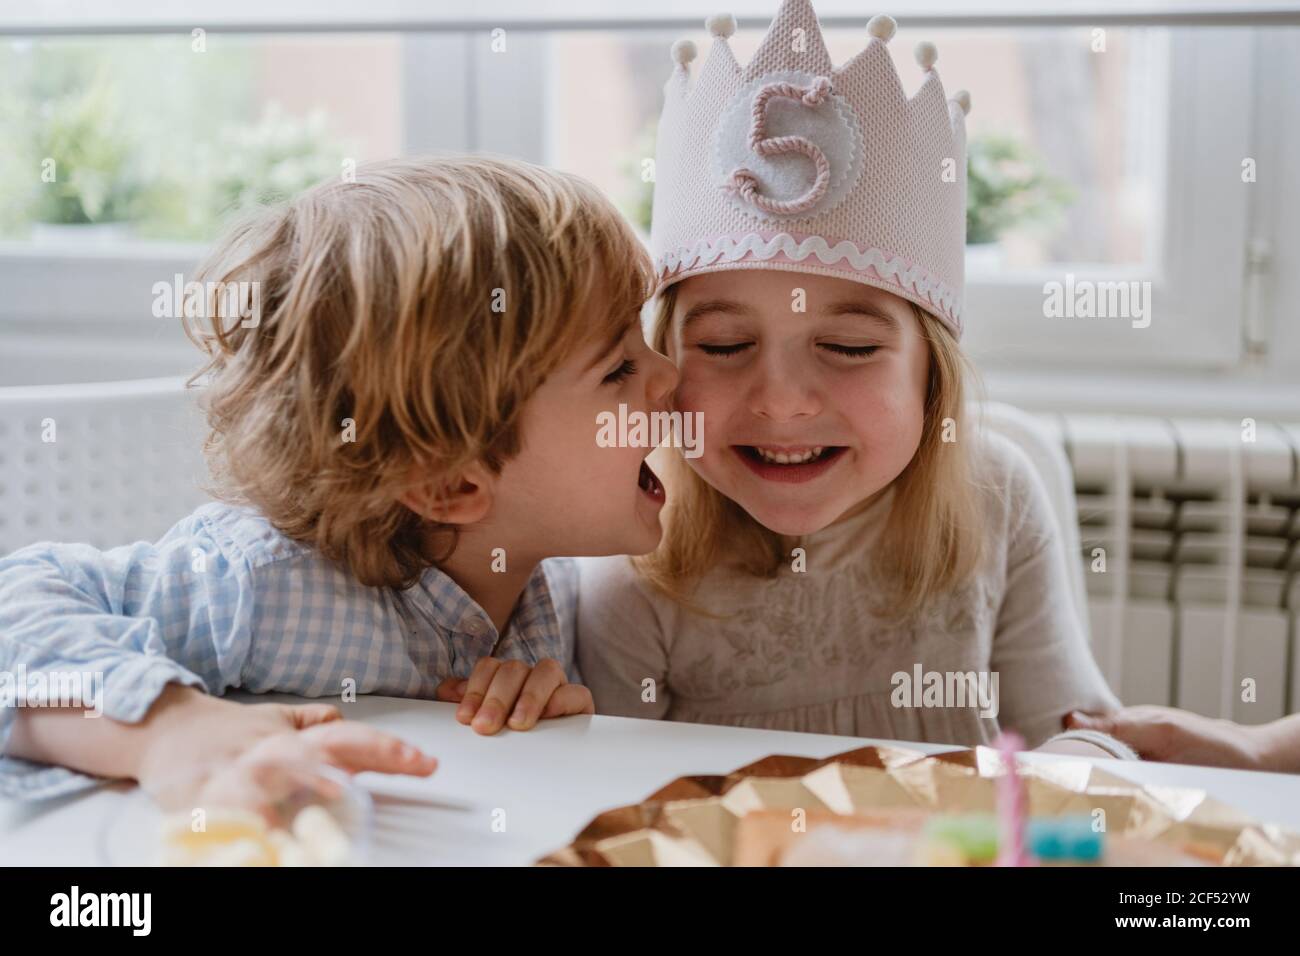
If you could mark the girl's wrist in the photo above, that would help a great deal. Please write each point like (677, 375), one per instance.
(1072, 748)
(1098, 744)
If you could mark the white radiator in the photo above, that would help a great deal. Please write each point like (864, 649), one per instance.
(1189, 536)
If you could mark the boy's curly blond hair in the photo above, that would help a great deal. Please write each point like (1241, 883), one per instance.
(421, 304)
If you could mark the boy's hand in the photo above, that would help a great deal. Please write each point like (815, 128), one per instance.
(208, 751)
(1179, 736)
(500, 693)
(277, 766)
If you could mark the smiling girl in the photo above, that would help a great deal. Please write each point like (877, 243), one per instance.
(846, 530)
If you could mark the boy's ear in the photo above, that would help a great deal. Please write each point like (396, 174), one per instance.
(462, 500)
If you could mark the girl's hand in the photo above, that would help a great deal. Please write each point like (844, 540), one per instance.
(510, 693)
(1179, 736)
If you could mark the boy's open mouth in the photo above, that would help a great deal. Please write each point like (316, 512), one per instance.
(789, 464)
(649, 483)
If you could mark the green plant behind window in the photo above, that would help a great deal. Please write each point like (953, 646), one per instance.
(143, 130)
(1007, 187)
(273, 159)
(86, 159)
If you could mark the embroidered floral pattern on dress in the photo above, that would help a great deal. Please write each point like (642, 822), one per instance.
(793, 627)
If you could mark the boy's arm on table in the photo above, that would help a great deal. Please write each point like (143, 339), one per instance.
(193, 749)
(130, 621)
(621, 636)
(147, 629)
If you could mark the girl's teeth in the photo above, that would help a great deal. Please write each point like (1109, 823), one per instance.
(788, 458)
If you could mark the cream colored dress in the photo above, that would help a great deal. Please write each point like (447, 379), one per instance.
(803, 651)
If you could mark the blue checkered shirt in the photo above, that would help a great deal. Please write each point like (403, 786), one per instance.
(223, 601)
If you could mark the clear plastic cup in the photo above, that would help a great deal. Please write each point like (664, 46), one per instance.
(286, 815)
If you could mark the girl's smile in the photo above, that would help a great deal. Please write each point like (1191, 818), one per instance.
(790, 464)
(809, 411)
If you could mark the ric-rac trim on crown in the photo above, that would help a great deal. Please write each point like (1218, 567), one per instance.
(755, 246)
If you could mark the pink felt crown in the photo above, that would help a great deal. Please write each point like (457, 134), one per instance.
(791, 163)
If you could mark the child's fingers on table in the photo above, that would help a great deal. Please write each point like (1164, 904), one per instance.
(309, 715)
(542, 682)
(479, 680)
(1116, 725)
(500, 697)
(568, 700)
(356, 747)
(1082, 721)
(452, 690)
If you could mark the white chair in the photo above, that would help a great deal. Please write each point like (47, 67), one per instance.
(1035, 439)
(124, 463)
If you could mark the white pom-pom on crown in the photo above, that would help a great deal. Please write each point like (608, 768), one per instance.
(721, 25)
(683, 52)
(962, 99)
(882, 27)
(926, 54)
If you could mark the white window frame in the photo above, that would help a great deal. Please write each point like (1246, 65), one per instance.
(1197, 269)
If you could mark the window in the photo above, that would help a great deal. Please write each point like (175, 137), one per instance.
(1119, 161)
(124, 157)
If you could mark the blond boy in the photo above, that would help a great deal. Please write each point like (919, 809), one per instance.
(400, 436)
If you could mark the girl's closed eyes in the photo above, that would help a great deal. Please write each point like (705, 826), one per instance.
(854, 351)
(705, 329)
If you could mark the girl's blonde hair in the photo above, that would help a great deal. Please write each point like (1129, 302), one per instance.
(405, 320)
(931, 540)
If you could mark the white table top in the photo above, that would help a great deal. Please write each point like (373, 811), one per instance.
(550, 782)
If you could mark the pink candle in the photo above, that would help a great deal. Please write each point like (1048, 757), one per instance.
(1013, 804)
